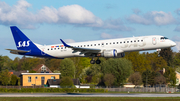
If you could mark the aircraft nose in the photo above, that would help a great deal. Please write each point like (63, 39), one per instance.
(173, 44)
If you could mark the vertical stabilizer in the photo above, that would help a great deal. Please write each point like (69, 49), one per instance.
(22, 41)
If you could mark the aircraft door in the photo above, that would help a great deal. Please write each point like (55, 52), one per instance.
(154, 41)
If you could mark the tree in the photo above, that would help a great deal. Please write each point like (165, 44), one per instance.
(146, 77)
(92, 74)
(108, 80)
(7, 63)
(80, 63)
(1, 63)
(167, 55)
(170, 75)
(14, 80)
(135, 78)
(119, 67)
(66, 82)
(5, 77)
(139, 61)
(53, 64)
(156, 62)
(67, 68)
(160, 80)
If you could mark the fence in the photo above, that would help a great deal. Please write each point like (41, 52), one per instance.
(119, 89)
(21, 87)
(144, 89)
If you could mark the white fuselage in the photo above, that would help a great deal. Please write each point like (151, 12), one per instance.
(121, 45)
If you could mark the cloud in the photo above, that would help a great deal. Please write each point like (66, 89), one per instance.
(177, 46)
(152, 18)
(136, 11)
(177, 11)
(75, 15)
(69, 40)
(176, 38)
(106, 36)
(109, 36)
(177, 29)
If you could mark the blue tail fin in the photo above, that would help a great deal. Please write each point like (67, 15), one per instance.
(21, 40)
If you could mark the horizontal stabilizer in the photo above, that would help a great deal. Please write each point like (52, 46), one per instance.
(13, 51)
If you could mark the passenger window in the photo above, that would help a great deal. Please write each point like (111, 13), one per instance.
(88, 45)
(102, 43)
(117, 42)
(131, 41)
(106, 43)
(121, 42)
(47, 49)
(138, 40)
(84, 45)
(51, 48)
(91, 44)
(127, 41)
(113, 42)
(141, 40)
(134, 40)
(124, 42)
(94, 44)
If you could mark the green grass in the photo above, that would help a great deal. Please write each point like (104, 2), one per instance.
(89, 99)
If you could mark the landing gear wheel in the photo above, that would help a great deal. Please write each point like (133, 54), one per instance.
(98, 61)
(92, 61)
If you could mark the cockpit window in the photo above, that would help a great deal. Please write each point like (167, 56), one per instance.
(163, 38)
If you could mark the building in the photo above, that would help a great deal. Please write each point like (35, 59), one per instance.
(55, 83)
(177, 78)
(38, 79)
(42, 69)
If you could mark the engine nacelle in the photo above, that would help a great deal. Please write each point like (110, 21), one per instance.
(120, 55)
(113, 53)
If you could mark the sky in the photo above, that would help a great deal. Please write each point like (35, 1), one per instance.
(46, 21)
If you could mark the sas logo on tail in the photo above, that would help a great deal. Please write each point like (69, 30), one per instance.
(23, 44)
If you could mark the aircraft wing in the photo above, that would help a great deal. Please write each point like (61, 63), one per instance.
(81, 49)
(14, 51)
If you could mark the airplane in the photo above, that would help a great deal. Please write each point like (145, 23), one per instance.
(111, 48)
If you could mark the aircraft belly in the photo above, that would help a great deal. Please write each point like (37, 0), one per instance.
(64, 54)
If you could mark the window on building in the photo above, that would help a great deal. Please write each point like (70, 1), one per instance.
(29, 79)
(43, 68)
(52, 77)
(43, 78)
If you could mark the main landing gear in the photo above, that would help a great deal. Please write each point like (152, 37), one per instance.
(93, 61)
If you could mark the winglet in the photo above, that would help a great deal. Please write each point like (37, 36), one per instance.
(66, 45)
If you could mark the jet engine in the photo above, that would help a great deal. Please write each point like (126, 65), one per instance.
(113, 53)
